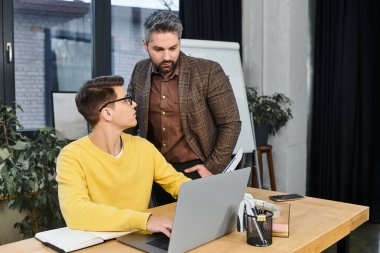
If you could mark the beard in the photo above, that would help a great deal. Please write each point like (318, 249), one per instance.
(165, 67)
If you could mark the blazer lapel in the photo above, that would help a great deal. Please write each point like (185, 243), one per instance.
(145, 102)
(183, 88)
(184, 92)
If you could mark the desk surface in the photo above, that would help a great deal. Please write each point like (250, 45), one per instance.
(315, 225)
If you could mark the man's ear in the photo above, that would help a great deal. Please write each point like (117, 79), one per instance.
(106, 114)
(145, 45)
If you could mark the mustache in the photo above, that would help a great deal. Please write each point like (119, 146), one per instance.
(165, 62)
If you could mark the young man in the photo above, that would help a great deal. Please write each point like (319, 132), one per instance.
(187, 108)
(105, 179)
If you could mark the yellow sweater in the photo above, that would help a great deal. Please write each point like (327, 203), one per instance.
(98, 192)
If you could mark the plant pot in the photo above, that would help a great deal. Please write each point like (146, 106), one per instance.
(261, 134)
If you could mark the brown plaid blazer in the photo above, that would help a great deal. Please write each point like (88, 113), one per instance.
(208, 110)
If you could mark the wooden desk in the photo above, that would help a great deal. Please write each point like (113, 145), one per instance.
(315, 225)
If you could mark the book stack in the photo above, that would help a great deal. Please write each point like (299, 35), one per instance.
(280, 225)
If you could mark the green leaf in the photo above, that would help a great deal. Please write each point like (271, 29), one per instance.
(11, 203)
(20, 145)
(13, 172)
(11, 186)
(42, 199)
(4, 153)
(32, 185)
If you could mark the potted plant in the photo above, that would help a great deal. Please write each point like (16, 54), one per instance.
(27, 174)
(269, 113)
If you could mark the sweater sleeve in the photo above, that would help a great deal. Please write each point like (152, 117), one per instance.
(77, 208)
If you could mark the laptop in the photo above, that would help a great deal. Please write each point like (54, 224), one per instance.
(206, 210)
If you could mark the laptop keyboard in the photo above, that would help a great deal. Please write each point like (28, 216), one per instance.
(161, 242)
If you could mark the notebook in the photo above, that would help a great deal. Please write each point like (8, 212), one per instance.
(206, 210)
(67, 240)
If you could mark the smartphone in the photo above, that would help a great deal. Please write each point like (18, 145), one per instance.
(285, 197)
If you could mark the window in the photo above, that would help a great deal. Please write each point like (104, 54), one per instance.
(55, 48)
(52, 45)
(127, 32)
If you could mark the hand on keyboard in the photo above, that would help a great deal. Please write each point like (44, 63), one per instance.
(160, 224)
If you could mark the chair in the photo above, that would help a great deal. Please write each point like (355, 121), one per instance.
(256, 178)
(268, 151)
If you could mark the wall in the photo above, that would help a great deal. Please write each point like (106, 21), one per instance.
(8, 219)
(276, 58)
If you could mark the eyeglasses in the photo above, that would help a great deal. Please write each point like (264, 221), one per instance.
(127, 97)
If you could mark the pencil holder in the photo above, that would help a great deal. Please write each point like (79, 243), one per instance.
(259, 228)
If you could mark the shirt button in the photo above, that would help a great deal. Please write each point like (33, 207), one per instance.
(163, 129)
(164, 145)
(163, 113)
(163, 96)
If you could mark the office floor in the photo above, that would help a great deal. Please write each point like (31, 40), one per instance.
(365, 239)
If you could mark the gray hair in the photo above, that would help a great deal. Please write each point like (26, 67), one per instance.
(162, 21)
